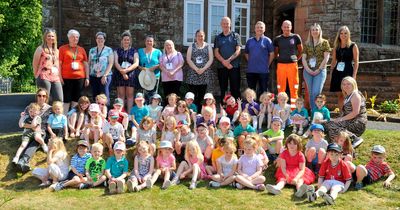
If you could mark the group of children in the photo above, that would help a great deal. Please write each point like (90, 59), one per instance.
(191, 145)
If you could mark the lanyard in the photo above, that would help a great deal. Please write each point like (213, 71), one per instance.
(74, 53)
(169, 60)
(148, 56)
(348, 98)
(51, 54)
(125, 57)
(98, 55)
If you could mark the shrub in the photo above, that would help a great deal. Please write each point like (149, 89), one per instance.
(390, 106)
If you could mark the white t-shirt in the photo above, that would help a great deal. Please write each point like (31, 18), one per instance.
(115, 130)
(227, 166)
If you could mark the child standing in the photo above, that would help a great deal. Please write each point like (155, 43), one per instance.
(333, 175)
(226, 167)
(182, 112)
(375, 169)
(243, 129)
(113, 131)
(316, 148)
(77, 115)
(94, 125)
(95, 167)
(250, 106)
(57, 123)
(299, 117)
(137, 113)
(274, 139)
(32, 129)
(143, 168)
(282, 109)
(250, 168)
(147, 132)
(165, 163)
(292, 169)
(193, 166)
(117, 169)
(205, 142)
(266, 108)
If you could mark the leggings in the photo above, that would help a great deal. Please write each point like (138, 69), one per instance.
(53, 88)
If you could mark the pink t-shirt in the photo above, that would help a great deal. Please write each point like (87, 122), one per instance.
(170, 63)
(165, 163)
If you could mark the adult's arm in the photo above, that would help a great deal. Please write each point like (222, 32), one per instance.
(210, 59)
(189, 59)
(271, 58)
(355, 106)
(356, 60)
(333, 62)
(35, 61)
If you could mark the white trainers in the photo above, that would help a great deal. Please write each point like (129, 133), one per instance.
(214, 184)
(328, 198)
(272, 189)
(45, 148)
(192, 186)
(166, 184)
(301, 191)
(311, 196)
(149, 184)
(239, 186)
(15, 160)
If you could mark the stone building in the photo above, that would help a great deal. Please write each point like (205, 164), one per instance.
(374, 26)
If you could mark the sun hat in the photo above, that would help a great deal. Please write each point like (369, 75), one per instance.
(139, 96)
(317, 126)
(147, 79)
(156, 96)
(224, 120)
(378, 149)
(113, 114)
(278, 119)
(165, 144)
(189, 95)
(334, 147)
(83, 143)
(94, 108)
(208, 96)
(119, 101)
(119, 145)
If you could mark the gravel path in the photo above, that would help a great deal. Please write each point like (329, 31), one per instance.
(378, 125)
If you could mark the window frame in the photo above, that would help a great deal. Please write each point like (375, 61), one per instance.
(211, 3)
(185, 18)
(245, 6)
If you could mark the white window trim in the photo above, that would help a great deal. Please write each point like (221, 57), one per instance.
(185, 30)
(246, 6)
(210, 4)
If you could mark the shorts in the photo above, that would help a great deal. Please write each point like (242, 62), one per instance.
(366, 180)
(328, 184)
(26, 137)
(271, 157)
(71, 175)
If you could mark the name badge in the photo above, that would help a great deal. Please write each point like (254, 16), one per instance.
(54, 70)
(125, 65)
(293, 57)
(75, 65)
(312, 62)
(340, 66)
(199, 60)
(169, 66)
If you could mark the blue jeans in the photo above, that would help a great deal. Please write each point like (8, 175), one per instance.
(98, 87)
(314, 85)
(261, 79)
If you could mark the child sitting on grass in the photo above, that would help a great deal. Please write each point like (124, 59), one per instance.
(243, 129)
(95, 167)
(117, 169)
(299, 117)
(273, 141)
(165, 164)
(113, 131)
(316, 148)
(143, 167)
(226, 167)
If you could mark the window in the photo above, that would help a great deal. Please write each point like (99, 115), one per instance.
(193, 19)
(380, 22)
(217, 9)
(241, 18)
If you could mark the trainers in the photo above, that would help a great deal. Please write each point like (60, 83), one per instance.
(214, 184)
(45, 184)
(149, 184)
(301, 191)
(45, 148)
(260, 187)
(59, 186)
(166, 184)
(238, 186)
(130, 185)
(357, 141)
(120, 186)
(112, 188)
(136, 188)
(175, 182)
(192, 186)
(328, 198)
(15, 160)
(358, 186)
(311, 196)
(273, 190)
(85, 186)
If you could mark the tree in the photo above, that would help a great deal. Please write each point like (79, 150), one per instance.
(20, 34)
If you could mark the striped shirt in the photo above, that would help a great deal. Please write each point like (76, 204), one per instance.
(79, 162)
(376, 171)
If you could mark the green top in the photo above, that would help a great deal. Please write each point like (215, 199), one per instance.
(95, 167)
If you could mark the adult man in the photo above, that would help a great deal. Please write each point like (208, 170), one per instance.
(288, 49)
(227, 50)
(259, 53)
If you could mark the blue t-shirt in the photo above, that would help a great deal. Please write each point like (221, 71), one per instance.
(258, 53)
(239, 130)
(117, 168)
(99, 61)
(303, 112)
(139, 113)
(325, 112)
(150, 60)
(226, 46)
(57, 121)
(193, 107)
(79, 162)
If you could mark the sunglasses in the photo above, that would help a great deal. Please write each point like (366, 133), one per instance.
(44, 96)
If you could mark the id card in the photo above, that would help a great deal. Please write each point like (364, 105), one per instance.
(169, 66)
(199, 60)
(340, 66)
(75, 65)
(312, 62)
(293, 57)
(125, 65)
(54, 70)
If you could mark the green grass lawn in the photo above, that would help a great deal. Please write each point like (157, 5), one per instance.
(20, 191)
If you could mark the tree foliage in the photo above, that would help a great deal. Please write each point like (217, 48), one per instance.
(20, 34)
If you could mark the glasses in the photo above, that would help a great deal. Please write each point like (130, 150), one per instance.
(42, 96)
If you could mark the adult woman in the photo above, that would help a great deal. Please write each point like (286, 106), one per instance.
(353, 118)
(344, 61)
(46, 65)
(149, 58)
(101, 60)
(42, 98)
(171, 64)
(74, 70)
(314, 59)
(200, 58)
(126, 61)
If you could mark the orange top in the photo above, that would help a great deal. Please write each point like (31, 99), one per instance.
(67, 56)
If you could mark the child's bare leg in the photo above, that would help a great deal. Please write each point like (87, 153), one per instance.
(255, 122)
(278, 146)
(155, 176)
(245, 182)
(79, 125)
(167, 176)
(321, 189)
(39, 139)
(299, 183)
(217, 178)
(311, 153)
(361, 172)
(258, 180)
(261, 121)
(125, 122)
(350, 166)
(100, 181)
(280, 185)
(195, 172)
(321, 155)
(269, 120)
(228, 180)
(20, 150)
(86, 134)
(96, 135)
(74, 182)
(182, 167)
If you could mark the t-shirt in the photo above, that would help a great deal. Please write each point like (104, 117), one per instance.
(95, 167)
(201, 120)
(287, 46)
(226, 46)
(139, 113)
(203, 143)
(250, 107)
(325, 113)
(79, 162)
(303, 112)
(67, 55)
(115, 130)
(230, 110)
(340, 172)
(193, 107)
(185, 139)
(239, 129)
(150, 60)
(249, 164)
(57, 121)
(165, 163)
(117, 168)
(377, 171)
(216, 153)
(317, 145)
(227, 166)
(224, 135)
(29, 120)
(172, 61)
(271, 134)
(147, 135)
(153, 111)
(99, 61)
(258, 54)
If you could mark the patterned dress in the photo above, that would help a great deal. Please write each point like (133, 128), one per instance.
(199, 58)
(126, 56)
(342, 55)
(355, 126)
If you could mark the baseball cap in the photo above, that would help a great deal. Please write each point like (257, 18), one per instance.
(334, 147)
(317, 126)
(189, 95)
(208, 95)
(94, 108)
(378, 149)
(227, 97)
(201, 125)
(139, 96)
(83, 143)
(119, 101)
(119, 145)
(278, 119)
(224, 120)
(165, 144)
(113, 114)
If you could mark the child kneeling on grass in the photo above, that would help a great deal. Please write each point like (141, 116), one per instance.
(375, 169)
(117, 169)
(334, 175)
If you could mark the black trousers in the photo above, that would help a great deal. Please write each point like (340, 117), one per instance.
(231, 77)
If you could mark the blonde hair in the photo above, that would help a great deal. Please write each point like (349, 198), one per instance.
(260, 23)
(310, 38)
(97, 146)
(102, 96)
(337, 42)
(170, 42)
(284, 95)
(58, 144)
(193, 144)
(250, 92)
(34, 106)
(352, 81)
(167, 120)
(140, 145)
(300, 99)
(347, 146)
(266, 95)
(207, 109)
(245, 113)
(58, 104)
(44, 43)
(250, 142)
(229, 146)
